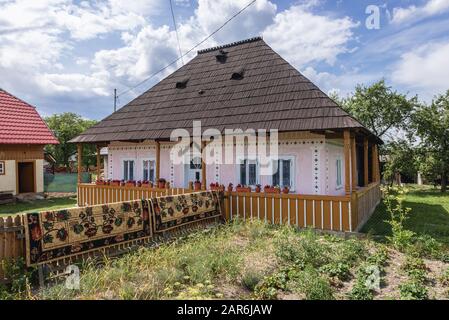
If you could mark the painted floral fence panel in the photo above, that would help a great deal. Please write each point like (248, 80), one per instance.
(54, 235)
(170, 212)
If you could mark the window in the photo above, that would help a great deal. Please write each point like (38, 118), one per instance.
(338, 164)
(284, 176)
(248, 172)
(128, 170)
(148, 170)
(2, 167)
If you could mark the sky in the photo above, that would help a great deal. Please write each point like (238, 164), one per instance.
(69, 55)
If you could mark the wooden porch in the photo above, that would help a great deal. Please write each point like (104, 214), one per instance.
(336, 213)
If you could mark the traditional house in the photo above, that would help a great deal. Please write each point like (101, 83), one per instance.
(242, 85)
(23, 135)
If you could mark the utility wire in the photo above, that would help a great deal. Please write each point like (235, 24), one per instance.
(190, 50)
(176, 30)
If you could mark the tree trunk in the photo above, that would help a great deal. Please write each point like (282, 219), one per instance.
(444, 181)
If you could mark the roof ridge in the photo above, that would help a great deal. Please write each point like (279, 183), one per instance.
(232, 44)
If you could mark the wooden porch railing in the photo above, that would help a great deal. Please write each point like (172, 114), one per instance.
(365, 202)
(321, 212)
(91, 194)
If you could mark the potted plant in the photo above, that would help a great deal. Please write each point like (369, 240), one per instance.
(122, 183)
(99, 182)
(258, 188)
(241, 188)
(161, 183)
(230, 186)
(271, 189)
(138, 183)
(130, 183)
(286, 190)
(197, 185)
(145, 183)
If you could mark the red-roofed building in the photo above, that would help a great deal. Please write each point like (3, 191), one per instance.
(23, 135)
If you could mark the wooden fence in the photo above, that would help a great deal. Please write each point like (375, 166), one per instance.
(11, 240)
(322, 212)
(334, 213)
(91, 194)
(365, 202)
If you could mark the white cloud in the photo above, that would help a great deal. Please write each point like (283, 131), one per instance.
(425, 69)
(303, 37)
(342, 84)
(413, 13)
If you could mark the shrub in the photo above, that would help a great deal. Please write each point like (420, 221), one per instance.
(426, 246)
(338, 270)
(269, 286)
(413, 290)
(401, 238)
(380, 257)
(360, 291)
(314, 286)
(302, 250)
(250, 280)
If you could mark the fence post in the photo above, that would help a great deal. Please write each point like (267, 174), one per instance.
(354, 211)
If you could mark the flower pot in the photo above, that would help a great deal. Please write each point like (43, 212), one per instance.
(258, 189)
(161, 184)
(285, 190)
(243, 189)
(197, 186)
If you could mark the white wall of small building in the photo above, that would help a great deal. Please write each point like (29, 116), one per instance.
(8, 181)
(314, 164)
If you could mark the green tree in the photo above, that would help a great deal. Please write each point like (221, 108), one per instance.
(379, 108)
(67, 126)
(431, 123)
(402, 159)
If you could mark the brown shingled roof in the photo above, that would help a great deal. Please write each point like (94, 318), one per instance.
(271, 95)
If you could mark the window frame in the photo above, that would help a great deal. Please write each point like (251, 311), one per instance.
(123, 169)
(3, 168)
(154, 169)
(240, 161)
(292, 160)
(338, 172)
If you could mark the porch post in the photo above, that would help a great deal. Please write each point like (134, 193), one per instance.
(80, 160)
(374, 162)
(354, 164)
(158, 161)
(203, 167)
(365, 161)
(98, 162)
(347, 152)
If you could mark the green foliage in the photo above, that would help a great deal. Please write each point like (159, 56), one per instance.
(379, 108)
(269, 286)
(251, 279)
(339, 270)
(444, 278)
(431, 123)
(20, 280)
(302, 250)
(413, 290)
(313, 285)
(401, 238)
(67, 126)
(402, 159)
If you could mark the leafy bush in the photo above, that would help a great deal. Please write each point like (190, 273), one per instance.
(314, 286)
(401, 238)
(20, 280)
(302, 249)
(413, 290)
(269, 286)
(338, 270)
(250, 280)
(426, 246)
(360, 291)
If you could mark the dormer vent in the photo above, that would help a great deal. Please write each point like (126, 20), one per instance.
(221, 56)
(238, 74)
(181, 84)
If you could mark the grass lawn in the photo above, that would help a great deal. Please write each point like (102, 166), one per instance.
(429, 215)
(253, 261)
(37, 205)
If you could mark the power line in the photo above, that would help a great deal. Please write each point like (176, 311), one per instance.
(176, 30)
(190, 50)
